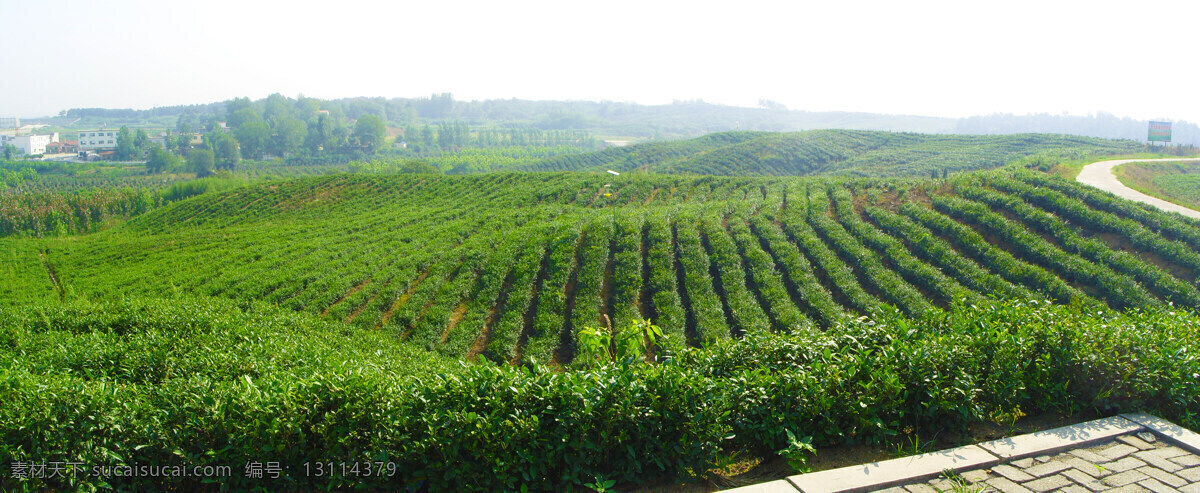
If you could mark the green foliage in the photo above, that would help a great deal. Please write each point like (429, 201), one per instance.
(252, 134)
(1174, 182)
(191, 188)
(126, 151)
(225, 149)
(49, 213)
(599, 346)
(200, 162)
(204, 382)
(829, 152)
(247, 314)
(703, 258)
(160, 160)
(380, 166)
(798, 451)
(370, 132)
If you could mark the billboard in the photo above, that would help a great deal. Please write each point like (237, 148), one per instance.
(1160, 132)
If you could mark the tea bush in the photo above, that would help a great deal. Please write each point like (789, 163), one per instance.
(206, 382)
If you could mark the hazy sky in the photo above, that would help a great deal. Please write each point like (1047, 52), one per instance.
(953, 59)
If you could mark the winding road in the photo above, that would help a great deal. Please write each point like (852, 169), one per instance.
(1100, 175)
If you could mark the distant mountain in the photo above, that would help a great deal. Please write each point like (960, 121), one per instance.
(829, 152)
(1102, 125)
(668, 121)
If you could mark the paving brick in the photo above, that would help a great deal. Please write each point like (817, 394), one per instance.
(1006, 486)
(1159, 462)
(1156, 486)
(1058, 439)
(1167, 452)
(1086, 467)
(1136, 442)
(917, 467)
(1089, 455)
(1012, 473)
(1123, 455)
(942, 484)
(1162, 463)
(1092, 484)
(1129, 488)
(1186, 460)
(1117, 451)
(1123, 464)
(1022, 463)
(1048, 483)
(1192, 474)
(1164, 476)
(1047, 468)
(1124, 478)
(1167, 429)
(976, 476)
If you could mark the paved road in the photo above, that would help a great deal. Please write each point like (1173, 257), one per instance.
(1100, 175)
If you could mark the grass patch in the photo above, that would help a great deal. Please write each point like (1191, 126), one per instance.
(1175, 182)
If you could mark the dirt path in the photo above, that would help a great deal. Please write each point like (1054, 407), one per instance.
(1100, 175)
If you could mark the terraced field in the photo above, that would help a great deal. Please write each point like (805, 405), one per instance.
(831, 152)
(513, 266)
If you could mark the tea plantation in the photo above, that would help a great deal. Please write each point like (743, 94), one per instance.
(443, 327)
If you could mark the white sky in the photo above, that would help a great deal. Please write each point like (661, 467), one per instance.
(955, 58)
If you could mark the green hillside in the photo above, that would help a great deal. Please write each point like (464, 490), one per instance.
(830, 152)
(442, 329)
(1178, 183)
(514, 265)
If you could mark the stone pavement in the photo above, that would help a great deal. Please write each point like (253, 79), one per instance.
(1132, 452)
(1133, 462)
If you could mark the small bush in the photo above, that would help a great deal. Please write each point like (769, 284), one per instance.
(205, 382)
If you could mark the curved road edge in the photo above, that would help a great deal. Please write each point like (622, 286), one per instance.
(1100, 175)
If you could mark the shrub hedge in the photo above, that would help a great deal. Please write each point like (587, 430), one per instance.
(207, 382)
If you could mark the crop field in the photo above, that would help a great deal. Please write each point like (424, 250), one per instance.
(511, 266)
(1174, 182)
(445, 327)
(831, 152)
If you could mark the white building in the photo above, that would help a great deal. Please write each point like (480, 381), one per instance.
(28, 144)
(91, 140)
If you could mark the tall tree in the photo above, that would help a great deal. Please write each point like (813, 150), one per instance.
(320, 133)
(125, 148)
(160, 159)
(289, 136)
(252, 132)
(224, 148)
(276, 108)
(370, 132)
(139, 141)
(200, 161)
(427, 136)
(232, 107)
(183, 143)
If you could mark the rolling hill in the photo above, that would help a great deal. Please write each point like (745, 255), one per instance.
(514, 265)
(829, 152)
(485, 332)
